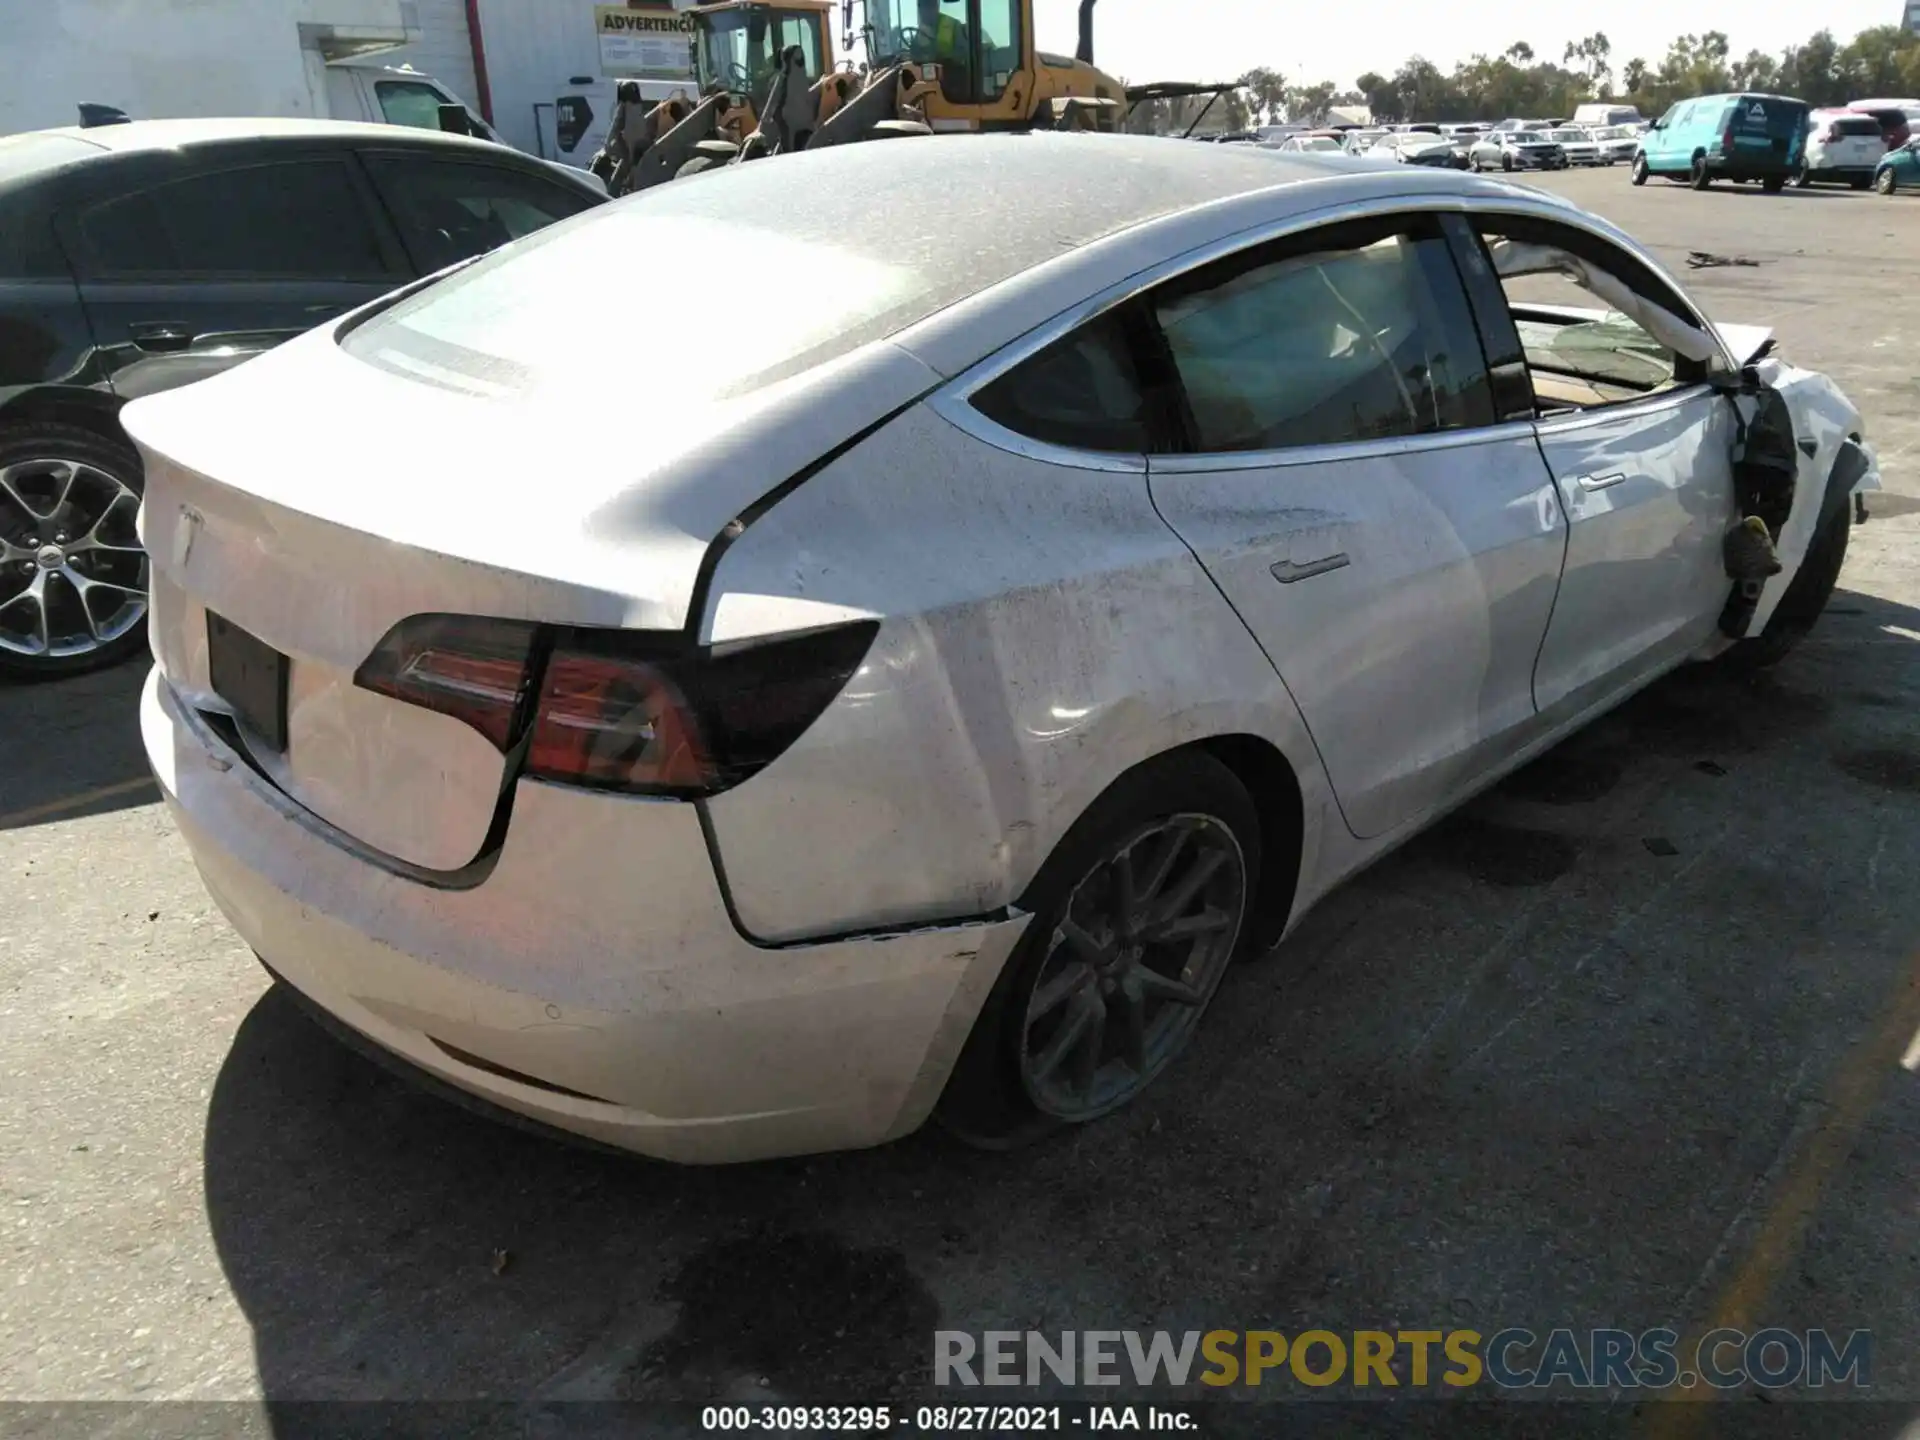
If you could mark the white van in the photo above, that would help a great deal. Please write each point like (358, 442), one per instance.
(1607, 115)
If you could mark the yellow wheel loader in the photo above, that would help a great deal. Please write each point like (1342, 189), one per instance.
(769, 84)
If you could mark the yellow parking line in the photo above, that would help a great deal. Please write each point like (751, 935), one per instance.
(1849, 1100)
(73, 802)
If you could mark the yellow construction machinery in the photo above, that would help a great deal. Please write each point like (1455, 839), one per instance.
(769, 83)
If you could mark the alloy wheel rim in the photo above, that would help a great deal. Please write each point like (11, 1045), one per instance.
(73, 576)
(1140, 948)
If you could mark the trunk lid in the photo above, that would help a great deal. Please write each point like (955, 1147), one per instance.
(314, 501)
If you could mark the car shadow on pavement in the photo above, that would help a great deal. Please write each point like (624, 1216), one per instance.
(72, 747)
(1367, 1128)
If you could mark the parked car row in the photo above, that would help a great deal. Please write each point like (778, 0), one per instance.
(135, 258)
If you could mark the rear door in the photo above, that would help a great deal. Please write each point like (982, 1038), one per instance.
(1353, 490)
(451, 209)
(192, 272)
(1641, 452)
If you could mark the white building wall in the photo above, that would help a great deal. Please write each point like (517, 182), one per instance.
(534, 47)
(163, 59)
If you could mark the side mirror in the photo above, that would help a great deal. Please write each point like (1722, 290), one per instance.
(454, 120)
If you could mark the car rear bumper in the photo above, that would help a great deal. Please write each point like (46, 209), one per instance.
(593, 981)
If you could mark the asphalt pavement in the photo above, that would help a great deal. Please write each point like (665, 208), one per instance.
(1629, 1042)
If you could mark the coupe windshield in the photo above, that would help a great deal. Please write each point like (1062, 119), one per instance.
(1568, 137)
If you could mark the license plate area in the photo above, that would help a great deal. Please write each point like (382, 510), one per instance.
(251, 676)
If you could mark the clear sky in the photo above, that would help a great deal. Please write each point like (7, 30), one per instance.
(1140, 40)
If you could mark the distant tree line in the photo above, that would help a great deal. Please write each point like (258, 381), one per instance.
(1884, 60)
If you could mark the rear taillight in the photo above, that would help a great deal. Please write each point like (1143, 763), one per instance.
(1726, 142)
(473, 669)
(618, 709)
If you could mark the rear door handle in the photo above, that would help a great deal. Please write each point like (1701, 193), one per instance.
(1600, 482)
(1286, 572)
(161, 335)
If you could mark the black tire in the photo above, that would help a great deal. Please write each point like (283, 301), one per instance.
(1774, 184)
(1885, 182)
(1638, 174)
(29, 441)
(987, 1102)
(1506, 163)
(1699, 177)
(1804, 601)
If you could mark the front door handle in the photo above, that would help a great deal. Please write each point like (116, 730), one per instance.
(1600, 482)
(161, 335)
(1286, 572)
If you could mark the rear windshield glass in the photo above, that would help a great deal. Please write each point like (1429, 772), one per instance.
(1763, 115)
(1864, 125)
(743, 277)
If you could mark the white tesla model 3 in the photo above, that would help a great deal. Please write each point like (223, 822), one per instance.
(878, 632)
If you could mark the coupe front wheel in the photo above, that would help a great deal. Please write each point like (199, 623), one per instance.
(73, 577)
(1884, 182)
(1136, 917)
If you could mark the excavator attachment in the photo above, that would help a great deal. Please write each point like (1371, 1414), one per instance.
(701, 136)
(887, 109)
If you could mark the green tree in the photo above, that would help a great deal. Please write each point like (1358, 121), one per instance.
(1308, 104)
(1383, 98)
(1267, 89)
(1594, 61)
(1812, 70)
(1633, 75)
(1759, 71)
(1881, 61)
(1520, 53)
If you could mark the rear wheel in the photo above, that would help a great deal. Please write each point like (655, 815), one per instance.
(1639, 172)
(1884, 181)
(1699, 177)
(1136, 917)
(73, 578)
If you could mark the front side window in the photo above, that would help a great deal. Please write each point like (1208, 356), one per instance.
(1364, 336)
(293, 220)
(408, 102)
(1082, 391)
(1596, 326)
(802, 30)
(452, 210)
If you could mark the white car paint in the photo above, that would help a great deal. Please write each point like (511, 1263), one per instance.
(794, 962)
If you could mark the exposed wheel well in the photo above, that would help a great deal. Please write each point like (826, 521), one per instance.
(67, 405)
(1270, 780)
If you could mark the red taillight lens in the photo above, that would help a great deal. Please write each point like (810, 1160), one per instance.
(621, 709)
(1726, 142)
(618, 723)
(468, 667)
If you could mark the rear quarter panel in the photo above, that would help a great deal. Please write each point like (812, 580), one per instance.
(1044, 631)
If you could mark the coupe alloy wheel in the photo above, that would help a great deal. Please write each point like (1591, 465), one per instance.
(1140, 949)
(73, 577)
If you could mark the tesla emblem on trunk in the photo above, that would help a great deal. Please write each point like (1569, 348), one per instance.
(185, 534)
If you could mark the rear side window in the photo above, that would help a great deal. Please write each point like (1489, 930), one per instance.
(299, 219)
(450, 211)
(1082, 391)
(1364, 336)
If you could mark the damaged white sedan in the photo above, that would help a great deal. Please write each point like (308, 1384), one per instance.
(911, 698)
